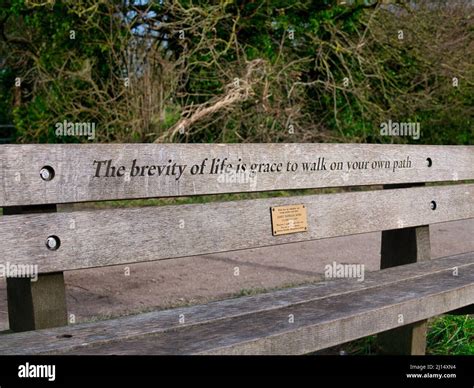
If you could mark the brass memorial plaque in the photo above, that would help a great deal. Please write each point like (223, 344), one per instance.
(289, 219)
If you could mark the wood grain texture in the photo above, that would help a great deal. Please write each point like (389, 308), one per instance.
(325, 314)
(75, 180)
(118, 236)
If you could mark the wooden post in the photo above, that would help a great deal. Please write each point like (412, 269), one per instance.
(399, 247)
(37, 304)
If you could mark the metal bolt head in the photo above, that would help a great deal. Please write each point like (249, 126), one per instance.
(45, 174)
(52, 243)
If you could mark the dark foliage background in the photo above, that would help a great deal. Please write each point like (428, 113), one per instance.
(237, 71)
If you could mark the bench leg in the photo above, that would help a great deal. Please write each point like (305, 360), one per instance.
(40, 304)
(409, 339)
(405, 246)
(37, 305)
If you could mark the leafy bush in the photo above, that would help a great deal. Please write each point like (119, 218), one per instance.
(238, 71)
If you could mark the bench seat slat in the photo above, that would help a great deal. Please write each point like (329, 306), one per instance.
(119, 236)
(75, 172)
(325, 314)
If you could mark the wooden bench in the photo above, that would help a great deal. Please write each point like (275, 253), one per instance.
(36, 180)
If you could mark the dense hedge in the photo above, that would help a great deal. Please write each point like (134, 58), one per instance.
(235, 71)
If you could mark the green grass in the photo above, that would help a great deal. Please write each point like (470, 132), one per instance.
(447, 335)
(201, 198)
(257, 291)
(451, 334)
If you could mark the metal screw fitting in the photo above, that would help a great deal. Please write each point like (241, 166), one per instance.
(52, 243)
(47, 173)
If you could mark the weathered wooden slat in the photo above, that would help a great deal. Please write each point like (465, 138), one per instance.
(117, 236)
(341, 319)
(77, 177)
(317, 308)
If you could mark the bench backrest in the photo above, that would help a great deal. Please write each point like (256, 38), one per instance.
(47, 175)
